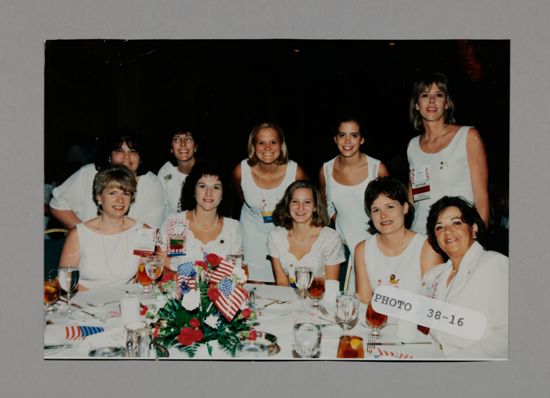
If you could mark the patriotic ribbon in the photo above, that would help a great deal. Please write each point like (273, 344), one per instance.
(79, 332)
(396, 355)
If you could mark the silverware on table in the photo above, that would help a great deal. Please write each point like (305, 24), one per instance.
(50, 349)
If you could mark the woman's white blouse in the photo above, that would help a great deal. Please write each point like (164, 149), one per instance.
(229, 241)
(481, 284)
(326, 250)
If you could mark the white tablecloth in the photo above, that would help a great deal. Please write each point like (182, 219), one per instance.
(280, 326)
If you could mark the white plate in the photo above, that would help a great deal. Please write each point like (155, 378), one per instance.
(277, 310)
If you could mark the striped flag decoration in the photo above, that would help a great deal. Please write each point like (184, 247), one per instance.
(230, 299)
(186, 274)
(396, 355)
(79, 332)
(224, 268)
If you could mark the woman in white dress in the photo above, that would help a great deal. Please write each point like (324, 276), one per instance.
(103, 247)
(301, 237)
(472, 278)
(201, 227)
(343, 181)
(262, 179)
(394, 255)
(183, 145)
(446, 158)
(72, 201)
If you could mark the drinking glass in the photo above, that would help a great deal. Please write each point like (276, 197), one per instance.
(51, 292)
(375, 321)
(307, 339)
(153, 267)
(248, 349)
(68, 280)
(347, 306)
(350, 347)
(317, 287)
(143, 279)
(303, 280)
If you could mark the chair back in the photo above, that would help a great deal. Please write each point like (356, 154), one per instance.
(54, 239)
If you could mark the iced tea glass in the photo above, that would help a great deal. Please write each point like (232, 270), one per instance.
(143, 279)
(350, 347)
(51, 292)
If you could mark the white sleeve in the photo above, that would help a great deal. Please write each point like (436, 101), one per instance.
(272, 244)
(151, 204)
(74, 192)
(333, 249)
(236, 240)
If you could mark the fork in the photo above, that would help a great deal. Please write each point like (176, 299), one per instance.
(371, 343)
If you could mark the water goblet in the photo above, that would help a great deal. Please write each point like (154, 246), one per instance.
(153, 267)
(347, 306)
(68, 280)
(307, 339)
(375, 320)
(303, 281)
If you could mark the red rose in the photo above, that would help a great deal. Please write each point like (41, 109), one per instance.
(186, 336)
(156, 331)
(202, 264)
(246, 313)
(142, 309)
(194, 323)
(197, 335)
(213, 259)
(213, 293)
(252, 335)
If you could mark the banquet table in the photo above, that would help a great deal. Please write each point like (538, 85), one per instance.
(277, 319)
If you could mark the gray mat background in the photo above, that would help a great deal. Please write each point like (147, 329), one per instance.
(24, 27)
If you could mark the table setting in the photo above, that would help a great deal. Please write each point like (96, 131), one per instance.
(206, 314)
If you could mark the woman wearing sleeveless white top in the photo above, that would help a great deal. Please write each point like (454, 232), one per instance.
(395, 255)
(107, 259)
(263, 178)
(343, 181)
(446, 159)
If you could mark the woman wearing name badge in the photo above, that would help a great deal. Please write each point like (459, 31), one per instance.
(72, 201)
(302, 238)
(446, 158)
(105, 247)
(183, 146)
(394, 255)
(343, 181)
(201, 227)
(262, 179)
(472, 278)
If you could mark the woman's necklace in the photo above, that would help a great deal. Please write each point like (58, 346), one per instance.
(114, 249)
(200, 227)
(303, 242)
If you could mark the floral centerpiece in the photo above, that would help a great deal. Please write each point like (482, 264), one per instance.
(206, 302)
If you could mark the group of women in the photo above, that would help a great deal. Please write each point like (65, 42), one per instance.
(285, 219)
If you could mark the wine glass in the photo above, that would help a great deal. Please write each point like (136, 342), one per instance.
(143, 279)
(347, 306)
(375, 320)
(317, 287)
(303, 281)
(153, 267)
(68, 280)
(307, 339)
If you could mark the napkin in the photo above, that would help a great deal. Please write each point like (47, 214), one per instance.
(397, 355)
(115, 337)
(331, 291)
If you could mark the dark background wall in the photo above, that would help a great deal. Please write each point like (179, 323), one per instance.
(227, 86)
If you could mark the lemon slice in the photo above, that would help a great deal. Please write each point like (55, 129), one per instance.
(356, 343)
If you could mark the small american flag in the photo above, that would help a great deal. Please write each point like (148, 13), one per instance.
(230, 299)
(186, 274)
(225, 268)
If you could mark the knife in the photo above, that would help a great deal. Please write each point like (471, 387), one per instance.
(55, 348)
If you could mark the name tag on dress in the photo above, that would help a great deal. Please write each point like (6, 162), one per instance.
(267, 216)
(146, 242)
(420, 182)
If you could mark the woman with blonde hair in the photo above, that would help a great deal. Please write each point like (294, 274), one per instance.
(262, 179)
